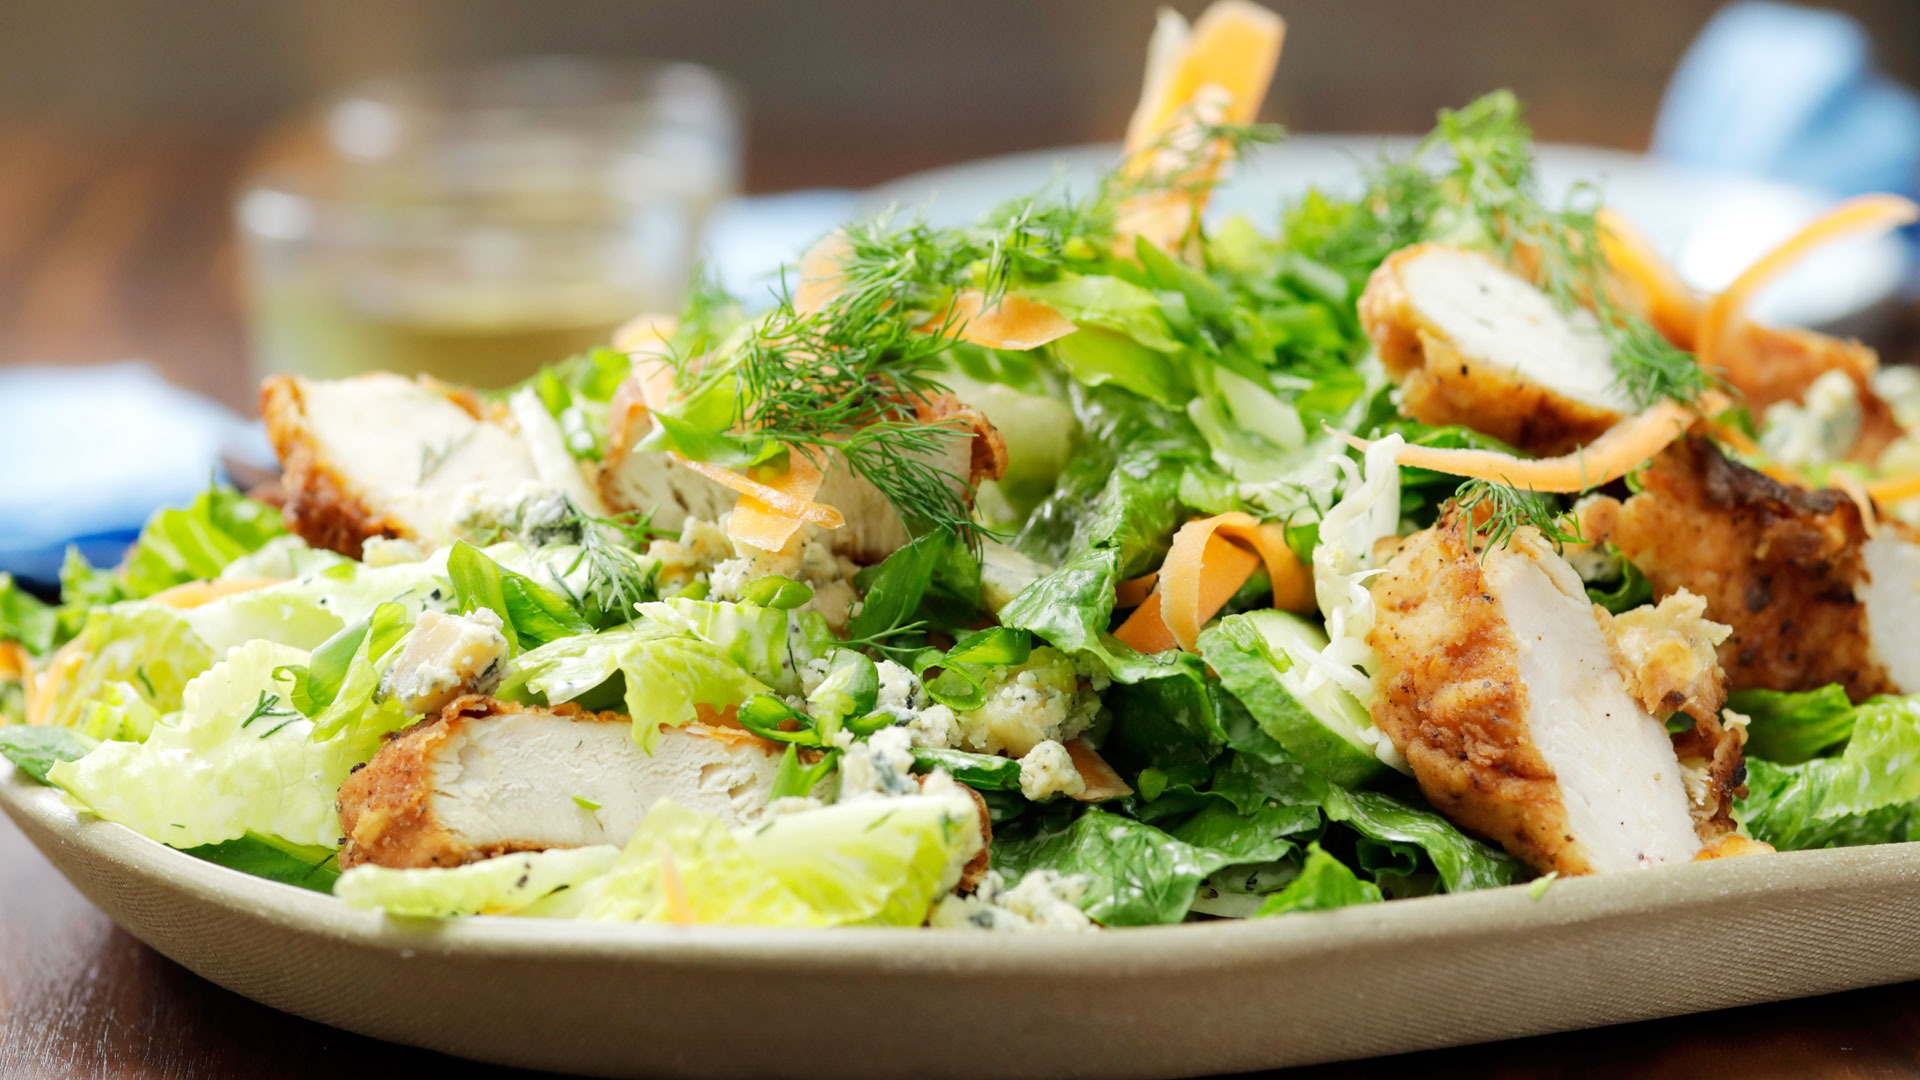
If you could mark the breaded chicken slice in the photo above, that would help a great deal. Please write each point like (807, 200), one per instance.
(1511, 697)
(1474, 344)
(488, 777)
(383, 455)
(656, 482)
(1780, 565)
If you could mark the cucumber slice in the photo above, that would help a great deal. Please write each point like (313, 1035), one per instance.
(1258, 657)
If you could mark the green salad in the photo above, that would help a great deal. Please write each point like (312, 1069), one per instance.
(1099, 564)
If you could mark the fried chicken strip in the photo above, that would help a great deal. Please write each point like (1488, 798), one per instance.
(1780, 565)
(1530, 718)
(488, 777)
(1474, 344)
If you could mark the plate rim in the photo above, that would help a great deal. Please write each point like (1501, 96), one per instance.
(1511, 910)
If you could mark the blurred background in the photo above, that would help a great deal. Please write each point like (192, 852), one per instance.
(125, 125)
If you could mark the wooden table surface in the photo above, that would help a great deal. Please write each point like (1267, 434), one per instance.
(117, 248)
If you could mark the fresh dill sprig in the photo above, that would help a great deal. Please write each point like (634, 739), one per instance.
(268, 705)
(1493, 179)
(1499, 511)
(618, 579)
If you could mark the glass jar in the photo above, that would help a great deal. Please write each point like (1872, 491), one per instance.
(476, 225)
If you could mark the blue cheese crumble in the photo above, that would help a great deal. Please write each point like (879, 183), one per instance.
(1043, 900)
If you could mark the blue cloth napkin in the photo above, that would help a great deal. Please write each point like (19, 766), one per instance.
(90, 452)
(1791, 93)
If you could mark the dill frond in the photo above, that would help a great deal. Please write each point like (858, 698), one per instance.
(1500, 511)
(1493, 179)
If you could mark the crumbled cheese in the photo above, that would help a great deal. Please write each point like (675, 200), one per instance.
(1047, 770)
(1822, 427)
(1043, 900)
(528, 513)
(807, 558)
(691, 558)
(1900, 388)
(904, 698)
(447, 656)
(1029, 704)
(878, 767)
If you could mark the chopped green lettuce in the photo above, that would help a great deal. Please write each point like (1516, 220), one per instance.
(36, 748)
(1407, 831)
(23, 618)
(1866, 795)
(1788, 728)
(1138, 874)
(237, 758)
(1324, 883)
(129, 662)
(303, 865)
(868, 862)
(503, 885)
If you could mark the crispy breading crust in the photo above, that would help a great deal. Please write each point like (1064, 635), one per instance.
(321, 506)
(1668, 656)
(1450, 697)
(1440, 385)
(1776, 563)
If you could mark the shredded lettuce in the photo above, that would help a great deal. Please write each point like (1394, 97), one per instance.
(504, 885)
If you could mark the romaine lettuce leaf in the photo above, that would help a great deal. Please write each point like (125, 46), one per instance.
(178, 545)
(665, 675)
(1138, 874)
(503, 885)
(236, 759)
(305, 866)
(1788, 728)
(23, 618)
(1324, 883)
(35, 748)
(1409, 832)
(129, 662)
(1866, 795)
(868, 862)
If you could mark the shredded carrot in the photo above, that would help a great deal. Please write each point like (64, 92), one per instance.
(1669, 305)
(791, 493)
(1203, 569)
(1012, 322)
(758, 525)
(1865, 214)
(1623, 448)
(1851, 486)
(1219, 75)
(1894, 489)
(1101, 782)
(676, 898)
(1134, 591)
(1235, 45)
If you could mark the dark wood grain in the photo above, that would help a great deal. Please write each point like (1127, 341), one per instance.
(112, 248)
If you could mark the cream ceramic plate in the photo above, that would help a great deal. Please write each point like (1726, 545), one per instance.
(619, 1000)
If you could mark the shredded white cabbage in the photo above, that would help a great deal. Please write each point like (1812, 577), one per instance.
(1342, 564)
